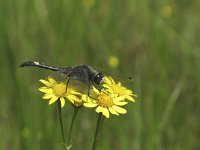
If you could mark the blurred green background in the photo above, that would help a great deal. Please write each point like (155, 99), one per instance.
(156, 42)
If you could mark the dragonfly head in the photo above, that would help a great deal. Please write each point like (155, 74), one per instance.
(98, 78)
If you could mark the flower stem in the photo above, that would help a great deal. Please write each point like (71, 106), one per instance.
(61, 122)
(99, 124)
(72, 123)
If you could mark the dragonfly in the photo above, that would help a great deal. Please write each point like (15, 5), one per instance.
(83, 73)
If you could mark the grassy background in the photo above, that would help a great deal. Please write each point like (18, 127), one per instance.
(157, 42)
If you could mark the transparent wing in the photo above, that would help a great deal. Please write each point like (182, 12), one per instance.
(77, 79)
(127, 79)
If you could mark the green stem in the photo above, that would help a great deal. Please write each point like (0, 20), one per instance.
(72, 123)
(99, 124)
(61, 122)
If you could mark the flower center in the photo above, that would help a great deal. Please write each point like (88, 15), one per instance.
(105, 100)
(59, 89)
(119, 90)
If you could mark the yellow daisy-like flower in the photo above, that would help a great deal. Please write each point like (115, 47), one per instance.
(117, 88)
(113, 61)
(105, 103)
(168, 10)
(58, 91)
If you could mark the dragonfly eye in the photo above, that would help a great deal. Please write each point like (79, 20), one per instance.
(98, 78)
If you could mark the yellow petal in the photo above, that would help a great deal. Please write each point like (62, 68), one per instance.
(86, 98)
(112, 81)
(106, 80)
(119, 98)
(106, 86)
(120, 103)
(135, 95)
(89, 105)
(99, 109)
(73, 98)
(45, 90)
(51, 80)
(105, 112)
(113, 111)
(129, 92)
(45, 82)
(130, 98)
(62, 100)
(48, 96)
(95, 90)
(119, 84)
(71, 101)
(119, 109)
(106, 90)
(74, 92)
(53, 99)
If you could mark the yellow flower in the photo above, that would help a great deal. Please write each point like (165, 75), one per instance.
(116, 88)
(105, 103)
(113, 61)
(58, 91)
(89, 3)
(168, 10)
(26, 132)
